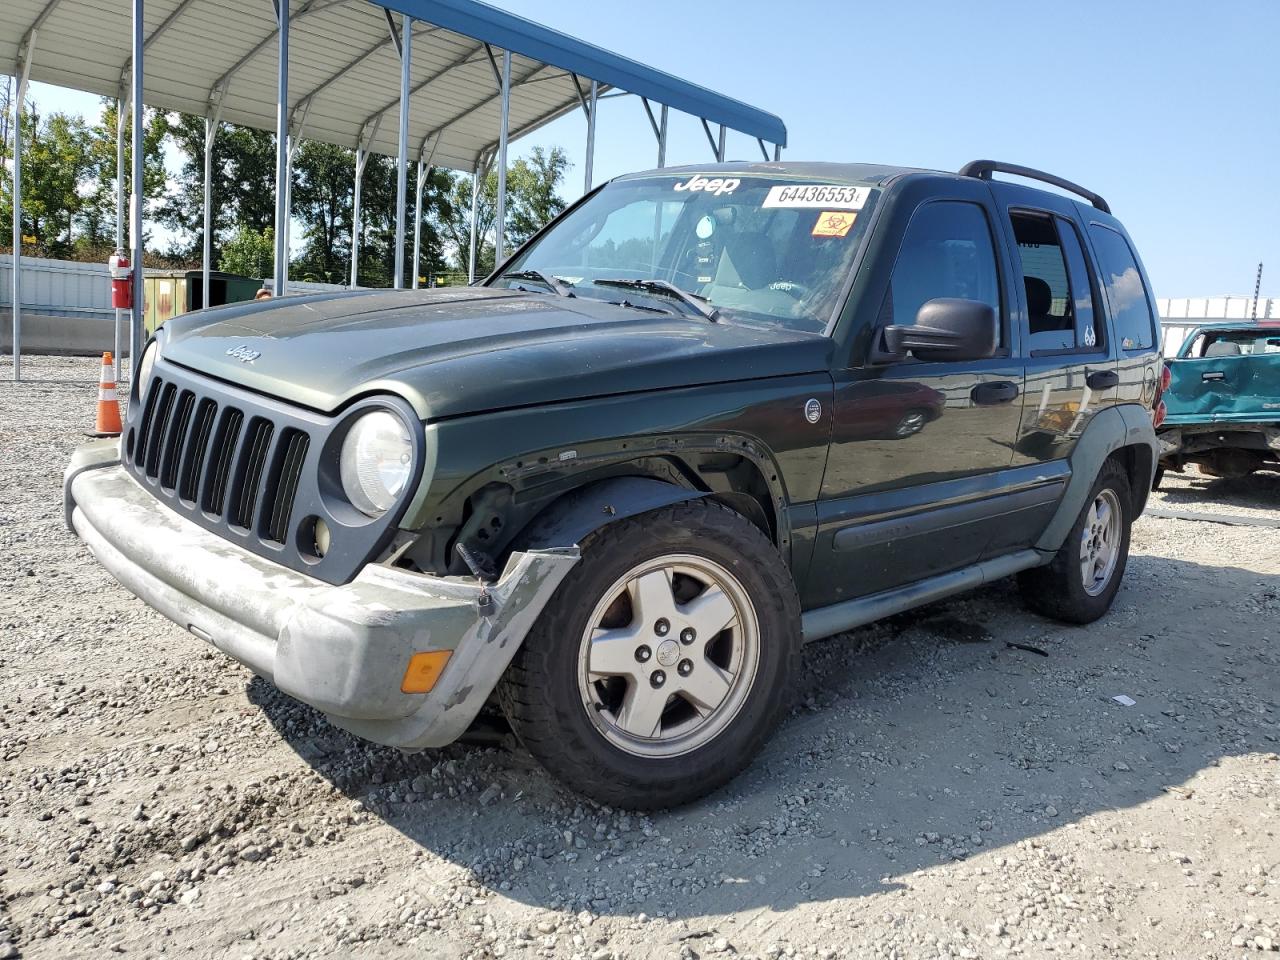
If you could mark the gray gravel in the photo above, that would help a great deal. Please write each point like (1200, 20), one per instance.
(937, 793)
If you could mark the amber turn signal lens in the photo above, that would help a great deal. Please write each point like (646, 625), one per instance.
(424, 670)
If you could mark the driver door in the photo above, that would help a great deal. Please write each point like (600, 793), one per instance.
(920, 451)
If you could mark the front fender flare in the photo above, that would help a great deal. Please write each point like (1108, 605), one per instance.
(566, 521)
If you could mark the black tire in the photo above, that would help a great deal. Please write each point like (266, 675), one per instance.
(541, 694)
(1058, 590)
(1158, 478)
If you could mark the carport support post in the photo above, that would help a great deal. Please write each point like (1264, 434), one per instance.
(210, 135)
(402, 153)
(281, 275)
(136, 194)
(500, 220)
(662, 138)
(591, 137)
(419, 183)
(720, 146)
(122, 109)
(19, 95)
(361, 156)
(476, 180)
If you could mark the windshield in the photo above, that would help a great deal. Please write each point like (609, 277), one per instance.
(764, 249)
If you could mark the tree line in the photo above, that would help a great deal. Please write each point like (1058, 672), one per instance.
(69, 199)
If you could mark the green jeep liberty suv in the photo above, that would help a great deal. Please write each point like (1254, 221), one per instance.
(706, 415)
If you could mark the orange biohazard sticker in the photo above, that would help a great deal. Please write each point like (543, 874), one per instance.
(834, 223)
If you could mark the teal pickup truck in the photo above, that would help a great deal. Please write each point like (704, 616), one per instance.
(1223, 401)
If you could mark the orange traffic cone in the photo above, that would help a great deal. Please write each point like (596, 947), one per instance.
(108, 420)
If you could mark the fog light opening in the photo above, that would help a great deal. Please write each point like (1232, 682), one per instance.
(313, 539)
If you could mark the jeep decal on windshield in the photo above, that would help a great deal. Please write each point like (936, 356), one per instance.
(828, 197)
(717, 186)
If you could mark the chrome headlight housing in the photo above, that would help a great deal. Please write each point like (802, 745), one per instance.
(144, 366)
(376, 462)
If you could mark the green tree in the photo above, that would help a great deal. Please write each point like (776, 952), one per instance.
(532, 200)
(323, 184)
(55, 159)
(99, 213)
(244, 184)
(249, 252)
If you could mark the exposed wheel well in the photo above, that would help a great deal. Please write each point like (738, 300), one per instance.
(1137, 463)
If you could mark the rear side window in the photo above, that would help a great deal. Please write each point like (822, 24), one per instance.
(1126, 294)
(1233, 343)
(1060, 314)
(947, 252)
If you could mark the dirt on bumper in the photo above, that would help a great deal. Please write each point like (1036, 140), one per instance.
(342, 649)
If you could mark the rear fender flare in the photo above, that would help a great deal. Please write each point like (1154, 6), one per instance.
(1125, 425)
(571, 518)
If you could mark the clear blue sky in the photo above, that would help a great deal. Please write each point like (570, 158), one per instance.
(1169, 109)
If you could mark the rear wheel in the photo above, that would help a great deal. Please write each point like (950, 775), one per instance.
(662, 663)
(1081, 582)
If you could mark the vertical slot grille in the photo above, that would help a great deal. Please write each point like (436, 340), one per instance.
(197, 445)
(283, 484)
(159, 427)
(220, 456)
(148, 415)
(253, 459)
(171, 453)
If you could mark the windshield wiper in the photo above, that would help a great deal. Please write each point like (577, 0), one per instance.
(537, 276)
(699, 305)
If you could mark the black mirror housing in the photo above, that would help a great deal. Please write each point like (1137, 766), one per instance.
(947, 328)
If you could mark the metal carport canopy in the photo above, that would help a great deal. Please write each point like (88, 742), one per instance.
(210, 57)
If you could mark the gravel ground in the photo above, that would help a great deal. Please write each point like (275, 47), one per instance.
(937, 793)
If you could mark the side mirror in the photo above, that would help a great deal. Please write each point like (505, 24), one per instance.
(947, 328)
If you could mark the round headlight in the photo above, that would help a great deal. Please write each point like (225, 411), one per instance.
(376, 458)
(144, 367)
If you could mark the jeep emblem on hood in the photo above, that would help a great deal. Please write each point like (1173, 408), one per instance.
(244, 353)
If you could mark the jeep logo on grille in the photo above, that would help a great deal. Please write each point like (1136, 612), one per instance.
(244, 353)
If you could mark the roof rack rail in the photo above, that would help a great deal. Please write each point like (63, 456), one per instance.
(982, 169)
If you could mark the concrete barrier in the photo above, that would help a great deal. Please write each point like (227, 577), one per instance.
(80, 336)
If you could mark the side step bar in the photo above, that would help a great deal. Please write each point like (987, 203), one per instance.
(839, 617)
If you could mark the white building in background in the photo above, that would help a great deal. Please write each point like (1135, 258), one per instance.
(1178, 315)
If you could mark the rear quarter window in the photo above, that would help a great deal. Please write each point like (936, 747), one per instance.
(1125, 292)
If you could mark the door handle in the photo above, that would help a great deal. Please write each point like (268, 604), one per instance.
(998, 391)
(1213, 375)
(1102, 379)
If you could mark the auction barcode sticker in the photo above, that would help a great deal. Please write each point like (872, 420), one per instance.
(834, 196)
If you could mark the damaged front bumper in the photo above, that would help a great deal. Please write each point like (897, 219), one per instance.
(342, 649)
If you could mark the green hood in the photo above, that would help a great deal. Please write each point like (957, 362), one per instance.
(465, 350)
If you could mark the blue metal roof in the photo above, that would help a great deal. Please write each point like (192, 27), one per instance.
(511, 32)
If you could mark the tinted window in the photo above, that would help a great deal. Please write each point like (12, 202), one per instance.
(947, 252)
(1088, 331)
(1056, 283)
(1126, 294)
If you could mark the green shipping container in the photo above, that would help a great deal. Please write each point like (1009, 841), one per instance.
(169, 293)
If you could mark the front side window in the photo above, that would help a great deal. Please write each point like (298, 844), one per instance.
(1125, 291)
(947, 252)
(755, 249)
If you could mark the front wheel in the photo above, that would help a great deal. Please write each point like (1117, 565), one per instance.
(664, 660)
(1081, 582)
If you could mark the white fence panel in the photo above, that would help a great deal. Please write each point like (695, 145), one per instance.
(59, 287)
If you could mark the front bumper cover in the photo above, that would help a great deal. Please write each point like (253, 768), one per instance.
(342, 649)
